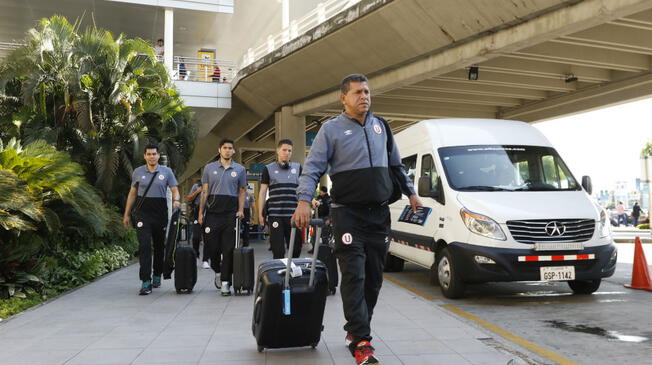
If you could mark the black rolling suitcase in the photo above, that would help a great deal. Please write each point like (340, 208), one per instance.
(288, 311)
(243, 265)
(328, 258)
(180, 257)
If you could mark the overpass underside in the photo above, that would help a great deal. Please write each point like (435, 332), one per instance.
(535, 60)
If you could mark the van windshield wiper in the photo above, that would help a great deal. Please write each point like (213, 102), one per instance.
(483, 188)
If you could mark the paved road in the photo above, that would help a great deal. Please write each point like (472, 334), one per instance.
(614, 325)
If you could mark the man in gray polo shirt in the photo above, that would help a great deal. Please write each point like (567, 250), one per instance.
(150, 214)
(222, 198)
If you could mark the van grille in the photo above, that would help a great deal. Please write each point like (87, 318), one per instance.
(543, 230)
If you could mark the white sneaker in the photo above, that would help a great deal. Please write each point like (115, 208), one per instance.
(226, 291)
(217, 281)
(205, 265)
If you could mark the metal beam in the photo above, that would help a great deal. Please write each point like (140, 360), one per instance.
(568, 20)
(553, 70)
(267, 144)
(614, 37)
(584, 55)
(593, 97)
(406, 110)
(519, 81)
(262, 130)
(446, 97)
(462, 86)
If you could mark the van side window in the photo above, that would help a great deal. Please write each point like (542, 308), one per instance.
(428, 169)
(410, 165)
(553, 173)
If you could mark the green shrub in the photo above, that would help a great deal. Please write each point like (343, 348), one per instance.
(643, 226)
(11, 306)
(66, 269)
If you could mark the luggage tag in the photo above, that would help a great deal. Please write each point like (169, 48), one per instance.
(295, 270)
(286, 302)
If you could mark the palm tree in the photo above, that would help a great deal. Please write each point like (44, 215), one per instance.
(41, 190)
(97, 97)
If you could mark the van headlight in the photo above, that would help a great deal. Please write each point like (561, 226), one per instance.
(604, 225)
(482, 225)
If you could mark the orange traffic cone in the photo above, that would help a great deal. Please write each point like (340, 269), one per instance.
(640, 274)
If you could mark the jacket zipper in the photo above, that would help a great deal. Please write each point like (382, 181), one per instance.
(366, 137)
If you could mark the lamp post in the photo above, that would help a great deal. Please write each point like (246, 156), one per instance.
(646, 178)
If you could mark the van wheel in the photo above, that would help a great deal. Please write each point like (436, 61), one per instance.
(584, 286)
(393, 263)
(449, 279)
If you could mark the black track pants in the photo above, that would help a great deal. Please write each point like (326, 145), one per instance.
(361, 243)
(219, 234)
(279, 237)
(150, 234)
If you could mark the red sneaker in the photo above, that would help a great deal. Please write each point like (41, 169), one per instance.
(364, 354)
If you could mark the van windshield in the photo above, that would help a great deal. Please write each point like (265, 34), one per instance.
(506, 168)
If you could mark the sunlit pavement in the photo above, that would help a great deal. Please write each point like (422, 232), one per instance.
(107, 322)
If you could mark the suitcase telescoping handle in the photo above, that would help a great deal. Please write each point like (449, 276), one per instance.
(237, 232)
(286, 288)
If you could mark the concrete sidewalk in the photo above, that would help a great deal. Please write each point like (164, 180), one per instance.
(106, 322)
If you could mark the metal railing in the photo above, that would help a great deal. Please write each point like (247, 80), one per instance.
(320, 14)
(7, 47)
(202, 70)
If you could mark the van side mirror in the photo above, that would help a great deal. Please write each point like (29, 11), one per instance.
(587, 185)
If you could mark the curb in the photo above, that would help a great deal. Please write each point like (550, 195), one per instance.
(5, 320)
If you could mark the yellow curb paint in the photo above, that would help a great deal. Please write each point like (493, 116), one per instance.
(490, 326)
(512, 337)
(412, 289)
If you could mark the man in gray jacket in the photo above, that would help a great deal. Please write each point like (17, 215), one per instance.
(354, 146)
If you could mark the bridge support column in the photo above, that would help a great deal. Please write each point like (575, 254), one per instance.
(292, 127)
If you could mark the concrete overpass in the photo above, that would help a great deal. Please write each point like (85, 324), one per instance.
(535, 60)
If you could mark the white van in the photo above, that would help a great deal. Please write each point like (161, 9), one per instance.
(504, 205)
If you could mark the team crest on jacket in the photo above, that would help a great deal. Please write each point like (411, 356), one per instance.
(294, 171)
(377, 129)
(347, 238)
(161, 177)
(234, 174)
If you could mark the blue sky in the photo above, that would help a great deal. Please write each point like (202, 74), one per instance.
(604, 144)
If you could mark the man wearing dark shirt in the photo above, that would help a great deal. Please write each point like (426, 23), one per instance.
(281, 177)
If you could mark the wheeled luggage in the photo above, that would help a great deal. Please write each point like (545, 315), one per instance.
(243, 265)
(180, 256)
(327, 257)
(288, 311)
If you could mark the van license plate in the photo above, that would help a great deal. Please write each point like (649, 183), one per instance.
(557, 273)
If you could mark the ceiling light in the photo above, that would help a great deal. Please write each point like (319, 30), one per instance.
(570, 78)
(473, 73)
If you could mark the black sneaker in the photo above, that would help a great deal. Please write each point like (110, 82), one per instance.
(146, 288)
(156, 282)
